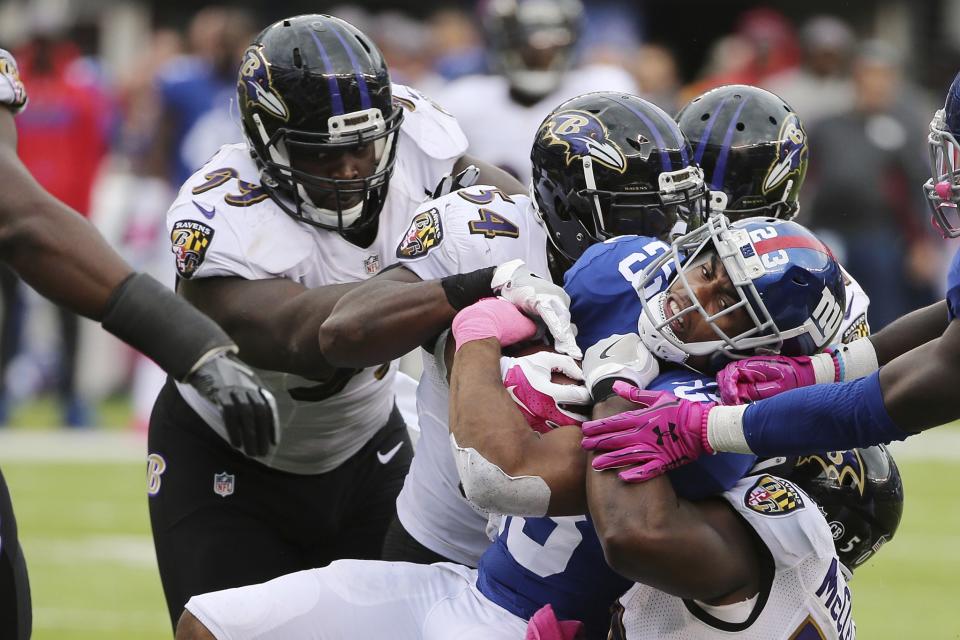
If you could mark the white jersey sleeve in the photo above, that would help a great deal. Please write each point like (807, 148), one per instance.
(12, 92)
(806, 598)
(224, 224)
(470, 229)
(855, 324)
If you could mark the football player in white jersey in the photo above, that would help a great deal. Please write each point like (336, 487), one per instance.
(62, 256)
(769, 560)
(531, 44)
(335, 160)
(592, 181)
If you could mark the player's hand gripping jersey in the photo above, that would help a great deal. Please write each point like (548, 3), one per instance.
(806, 598)
(223, 223)
(466, 230)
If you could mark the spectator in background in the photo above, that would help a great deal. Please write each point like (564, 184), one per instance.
(822, 85)
(763, 45)
(196, 91)
(865, 171)
(654, 68)
(532, 47)
(62, 139)
(401, 40)
(456, 44)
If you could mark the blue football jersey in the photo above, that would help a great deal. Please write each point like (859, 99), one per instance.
(536, 561)
(604, 286)
(953, 288)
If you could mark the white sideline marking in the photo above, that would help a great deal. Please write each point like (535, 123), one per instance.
(96, 446)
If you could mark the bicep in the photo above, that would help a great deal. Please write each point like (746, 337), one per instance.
(490, 174)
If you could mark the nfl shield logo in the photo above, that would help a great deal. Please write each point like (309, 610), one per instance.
(372, 265)
(223, 484)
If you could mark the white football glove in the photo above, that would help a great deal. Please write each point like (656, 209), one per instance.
(620, 356)
(541, 298)
(544, 404)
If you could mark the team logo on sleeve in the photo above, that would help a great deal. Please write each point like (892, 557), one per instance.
(772, 496)
(255, 83)
(425, 232)
(189, 241)
(582, 135)
(791, 152)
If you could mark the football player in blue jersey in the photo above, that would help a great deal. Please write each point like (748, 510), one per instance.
(894, 384)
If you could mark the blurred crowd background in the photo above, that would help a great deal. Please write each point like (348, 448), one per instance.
(129, 97)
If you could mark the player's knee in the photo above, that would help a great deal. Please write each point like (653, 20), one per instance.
(189, 628)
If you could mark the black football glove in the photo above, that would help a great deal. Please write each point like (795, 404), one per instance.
(249, 410)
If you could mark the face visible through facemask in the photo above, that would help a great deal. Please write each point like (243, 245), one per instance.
(707, 282)
(349, 168)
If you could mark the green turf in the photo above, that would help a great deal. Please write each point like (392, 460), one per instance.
(86, 533)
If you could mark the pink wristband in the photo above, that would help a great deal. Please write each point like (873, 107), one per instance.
(492, 318)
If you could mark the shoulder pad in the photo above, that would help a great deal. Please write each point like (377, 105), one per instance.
(787, 520)
(429, 127)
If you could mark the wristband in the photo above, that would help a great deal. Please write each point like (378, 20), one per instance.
(163, 326)
(463, 289)
(855, 360)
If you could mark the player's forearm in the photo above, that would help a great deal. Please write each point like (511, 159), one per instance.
(274, 322)
(910, 331)
(382, 320)
(52, 247)
(919, 389)
(482, 414)
(825, 417)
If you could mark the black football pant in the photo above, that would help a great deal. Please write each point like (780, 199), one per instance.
(15, 613)
(271, 522)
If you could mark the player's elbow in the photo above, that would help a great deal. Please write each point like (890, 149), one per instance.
(494, 489)
(629, 547)
(340, 337)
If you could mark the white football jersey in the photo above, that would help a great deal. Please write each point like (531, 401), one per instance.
(808, 598)
(855, 324)
(475, 228)
(502, 131)
(224, 224)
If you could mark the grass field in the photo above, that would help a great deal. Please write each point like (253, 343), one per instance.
(84, 526)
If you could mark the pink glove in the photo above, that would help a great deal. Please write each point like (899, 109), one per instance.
(761, 377)
(545, 626)
(665, 433)
(492, 318)
(528, 381)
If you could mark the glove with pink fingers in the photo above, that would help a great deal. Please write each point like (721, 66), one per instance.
(665, 433)
(545, 404)
(761, 377)
(492, 318)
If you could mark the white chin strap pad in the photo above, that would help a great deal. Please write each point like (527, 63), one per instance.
(491, 490)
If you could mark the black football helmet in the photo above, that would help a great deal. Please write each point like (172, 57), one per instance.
(607, 164)
(752, 148)
(311, 90)
(531, 42)
(858, 491)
